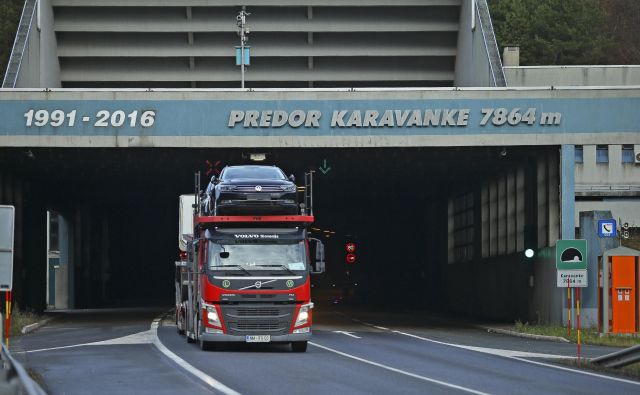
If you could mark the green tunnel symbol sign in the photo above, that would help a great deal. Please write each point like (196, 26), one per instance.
(289, 283)
(571, 254)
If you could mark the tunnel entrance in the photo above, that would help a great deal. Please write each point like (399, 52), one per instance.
(442, 228)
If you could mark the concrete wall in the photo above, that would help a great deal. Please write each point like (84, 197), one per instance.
(475, 65)
(30, 257)
(613, 186)
(596, 246)
(40, 67)
(499, 282)
(572, 75)
(592, 176)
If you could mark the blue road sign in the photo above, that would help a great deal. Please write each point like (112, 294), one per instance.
(607, 228)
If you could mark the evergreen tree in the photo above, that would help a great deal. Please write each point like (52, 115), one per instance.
(553, 31)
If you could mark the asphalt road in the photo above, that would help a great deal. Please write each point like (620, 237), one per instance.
(352, 352)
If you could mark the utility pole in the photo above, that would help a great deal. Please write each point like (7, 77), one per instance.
(243, 32)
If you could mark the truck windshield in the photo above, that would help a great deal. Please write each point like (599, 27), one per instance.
(258, 256)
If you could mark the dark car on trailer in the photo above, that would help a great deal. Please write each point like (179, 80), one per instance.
(251, 190)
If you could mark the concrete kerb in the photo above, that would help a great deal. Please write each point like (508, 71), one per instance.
(36, 325)
(509, 332)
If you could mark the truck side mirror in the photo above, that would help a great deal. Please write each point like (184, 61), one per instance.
(319, 265)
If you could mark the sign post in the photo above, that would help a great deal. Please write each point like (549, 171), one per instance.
(7, 222)
(571, 262)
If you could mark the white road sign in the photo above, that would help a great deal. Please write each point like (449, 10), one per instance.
(572, 278)
(7, 214)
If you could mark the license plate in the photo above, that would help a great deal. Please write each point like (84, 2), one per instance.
(257, 338)
(258, 196)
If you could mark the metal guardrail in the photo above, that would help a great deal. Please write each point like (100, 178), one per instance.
(19, 44)
(619, 359)
(14, 379)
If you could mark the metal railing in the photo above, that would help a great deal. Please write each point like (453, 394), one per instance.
(19, 44)
(619, 359)
(15, 378)
(490, 44)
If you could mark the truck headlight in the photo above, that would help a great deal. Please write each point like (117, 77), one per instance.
(303, 314)
(212, 316)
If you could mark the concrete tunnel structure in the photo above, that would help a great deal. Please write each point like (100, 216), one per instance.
(442, 174)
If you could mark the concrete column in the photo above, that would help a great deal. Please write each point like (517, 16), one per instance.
(567, 191)
(63, 283)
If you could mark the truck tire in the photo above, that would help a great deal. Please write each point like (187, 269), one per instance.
(204, 346)
(299, 346)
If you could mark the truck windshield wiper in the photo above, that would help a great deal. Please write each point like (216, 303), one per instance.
(237, 266)
(280, 266)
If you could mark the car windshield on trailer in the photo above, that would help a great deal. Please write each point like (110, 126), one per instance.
(255, 172)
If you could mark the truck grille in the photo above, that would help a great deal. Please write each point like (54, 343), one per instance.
(258, 311)
(253, 325)
(258, 319)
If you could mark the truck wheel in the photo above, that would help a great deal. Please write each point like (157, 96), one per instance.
(204, 346)
(299, 346)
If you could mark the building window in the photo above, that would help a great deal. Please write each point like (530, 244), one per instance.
(627, 154)
(579, 152)
(602, 154)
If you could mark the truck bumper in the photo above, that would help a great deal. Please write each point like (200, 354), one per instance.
(221, 337)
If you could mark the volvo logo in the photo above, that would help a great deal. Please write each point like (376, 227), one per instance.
(258, 284)
(258, 188)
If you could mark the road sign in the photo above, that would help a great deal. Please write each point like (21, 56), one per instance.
(607, 228)
(7, 215)
(324, 168)
(572, 278)
(351, 258)
(350, 247)
(571, 254)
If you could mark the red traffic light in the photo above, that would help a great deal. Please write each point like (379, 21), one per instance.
(350, 247)
(351, 258)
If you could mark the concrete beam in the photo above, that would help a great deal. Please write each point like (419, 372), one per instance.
(230, 3)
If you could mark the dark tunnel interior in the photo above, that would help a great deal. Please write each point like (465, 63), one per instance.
(123, 206)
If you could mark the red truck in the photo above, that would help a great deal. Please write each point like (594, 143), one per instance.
(245, 278)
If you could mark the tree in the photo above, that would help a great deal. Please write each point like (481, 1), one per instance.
(10, 11)
(623, 22)
(553, 31)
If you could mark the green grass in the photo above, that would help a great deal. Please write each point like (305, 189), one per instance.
(21, 318)
(587, 336)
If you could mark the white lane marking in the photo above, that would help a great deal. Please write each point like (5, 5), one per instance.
(381, 328)
(373, 326)
(151, 337)
(521, 355)
(348, 334)
(578, 371)
(417, 376)
(145, 337)
(213, 383)
(493, 351)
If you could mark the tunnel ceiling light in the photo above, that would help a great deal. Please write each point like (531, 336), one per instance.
(529, 253)
(257, 157)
